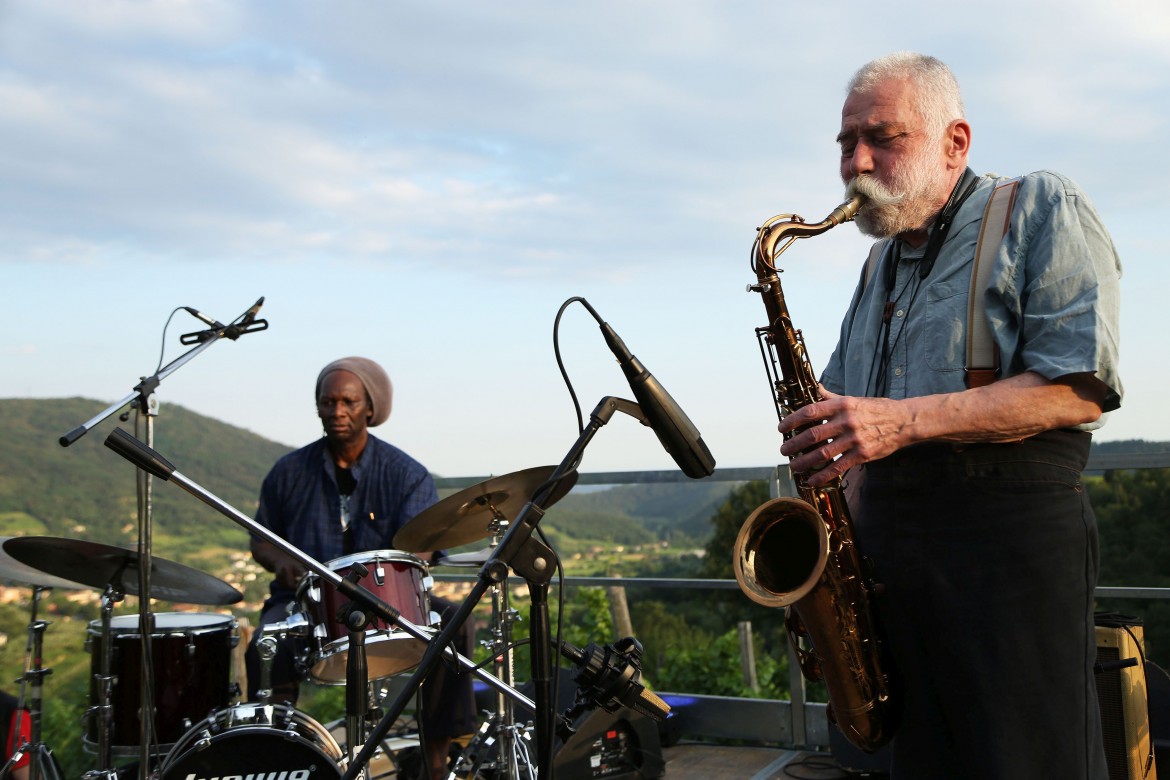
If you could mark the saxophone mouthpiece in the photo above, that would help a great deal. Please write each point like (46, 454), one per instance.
(847, 210)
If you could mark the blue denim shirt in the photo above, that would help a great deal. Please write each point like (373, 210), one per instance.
(1052, 302)
(300, 501)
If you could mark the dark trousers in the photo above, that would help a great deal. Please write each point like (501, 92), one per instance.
(447, 699)
(988, 557)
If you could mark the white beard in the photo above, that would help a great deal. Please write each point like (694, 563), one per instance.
(907, 203)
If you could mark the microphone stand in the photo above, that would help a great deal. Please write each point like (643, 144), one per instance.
(536, 563)
(145, 403)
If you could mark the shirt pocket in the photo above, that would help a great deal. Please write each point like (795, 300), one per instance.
(945, 324)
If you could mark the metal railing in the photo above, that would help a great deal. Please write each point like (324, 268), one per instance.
(796, 722)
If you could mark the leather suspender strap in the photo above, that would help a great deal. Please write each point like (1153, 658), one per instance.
(982, 352)
(875, 257)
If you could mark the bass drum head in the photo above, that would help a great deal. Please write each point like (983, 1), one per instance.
(293, 747)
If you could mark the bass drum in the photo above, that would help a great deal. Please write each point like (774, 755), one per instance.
(258, 740)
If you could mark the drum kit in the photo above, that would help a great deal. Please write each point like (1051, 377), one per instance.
(365, 618)
(185, 658)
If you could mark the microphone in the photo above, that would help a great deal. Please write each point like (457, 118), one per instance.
(674, 429)
(609, 677)
(212, 321)
(246, 321)
(250, 314)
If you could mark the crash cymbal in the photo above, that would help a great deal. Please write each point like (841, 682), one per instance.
(98, 565)
(472, 513)
(15, 571)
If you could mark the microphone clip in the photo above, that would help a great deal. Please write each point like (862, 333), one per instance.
(232, 332)
(610, 677)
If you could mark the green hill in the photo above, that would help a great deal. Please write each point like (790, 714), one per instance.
(87, 491)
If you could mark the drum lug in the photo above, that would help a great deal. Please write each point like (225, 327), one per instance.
(204, 740)
(428, 583)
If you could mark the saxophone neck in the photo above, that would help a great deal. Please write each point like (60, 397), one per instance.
(789, 227)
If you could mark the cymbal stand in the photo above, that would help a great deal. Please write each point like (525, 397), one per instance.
(512, 758)
(41, 764)
(104, 710)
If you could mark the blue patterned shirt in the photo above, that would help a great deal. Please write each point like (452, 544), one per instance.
(301, 503)
(1053, 301)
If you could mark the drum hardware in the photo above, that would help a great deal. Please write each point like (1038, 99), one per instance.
(261, 740)
(398, 578)
(189, 670)
(42, 764)
(266, 645)
(118, 572)
(146, 458)
(357, 700)
(500, 744)
(101, 715)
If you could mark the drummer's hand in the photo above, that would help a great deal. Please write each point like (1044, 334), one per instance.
(288, 570)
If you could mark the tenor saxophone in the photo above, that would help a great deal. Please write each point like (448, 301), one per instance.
(799, 553)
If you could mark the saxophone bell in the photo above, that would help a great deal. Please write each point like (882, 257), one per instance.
(780, 552)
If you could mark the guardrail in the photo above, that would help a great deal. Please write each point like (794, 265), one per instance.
(796, 721)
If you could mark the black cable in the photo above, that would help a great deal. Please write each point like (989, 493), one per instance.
(163, 348)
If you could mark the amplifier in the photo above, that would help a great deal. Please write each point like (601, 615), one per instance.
(1121, 694)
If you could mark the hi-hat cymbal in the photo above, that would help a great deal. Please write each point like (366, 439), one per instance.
(98, 565)
(15, 571)
(473, 512)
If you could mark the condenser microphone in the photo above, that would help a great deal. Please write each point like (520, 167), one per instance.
(678, 434)
(610, 677)
(250, 314)
(212, 321)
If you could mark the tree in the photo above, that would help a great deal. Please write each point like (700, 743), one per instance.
(727, 522)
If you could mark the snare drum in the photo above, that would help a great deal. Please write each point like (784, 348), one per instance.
(256, 740)
(191, 655)
(397, 578)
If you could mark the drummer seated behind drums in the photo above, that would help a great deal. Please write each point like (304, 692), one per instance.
(374, 488)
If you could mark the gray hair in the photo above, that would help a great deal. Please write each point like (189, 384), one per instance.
(941, 103)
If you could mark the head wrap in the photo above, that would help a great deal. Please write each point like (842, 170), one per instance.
(372, 376)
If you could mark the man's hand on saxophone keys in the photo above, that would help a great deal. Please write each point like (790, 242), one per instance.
(842, 432)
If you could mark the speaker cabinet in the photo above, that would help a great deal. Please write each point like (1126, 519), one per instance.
(1124, 708)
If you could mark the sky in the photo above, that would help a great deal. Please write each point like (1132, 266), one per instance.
(427, 183)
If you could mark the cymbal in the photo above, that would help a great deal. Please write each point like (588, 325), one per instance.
(15, 571)
(98, 565)
(474, 558)
(471, 513)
